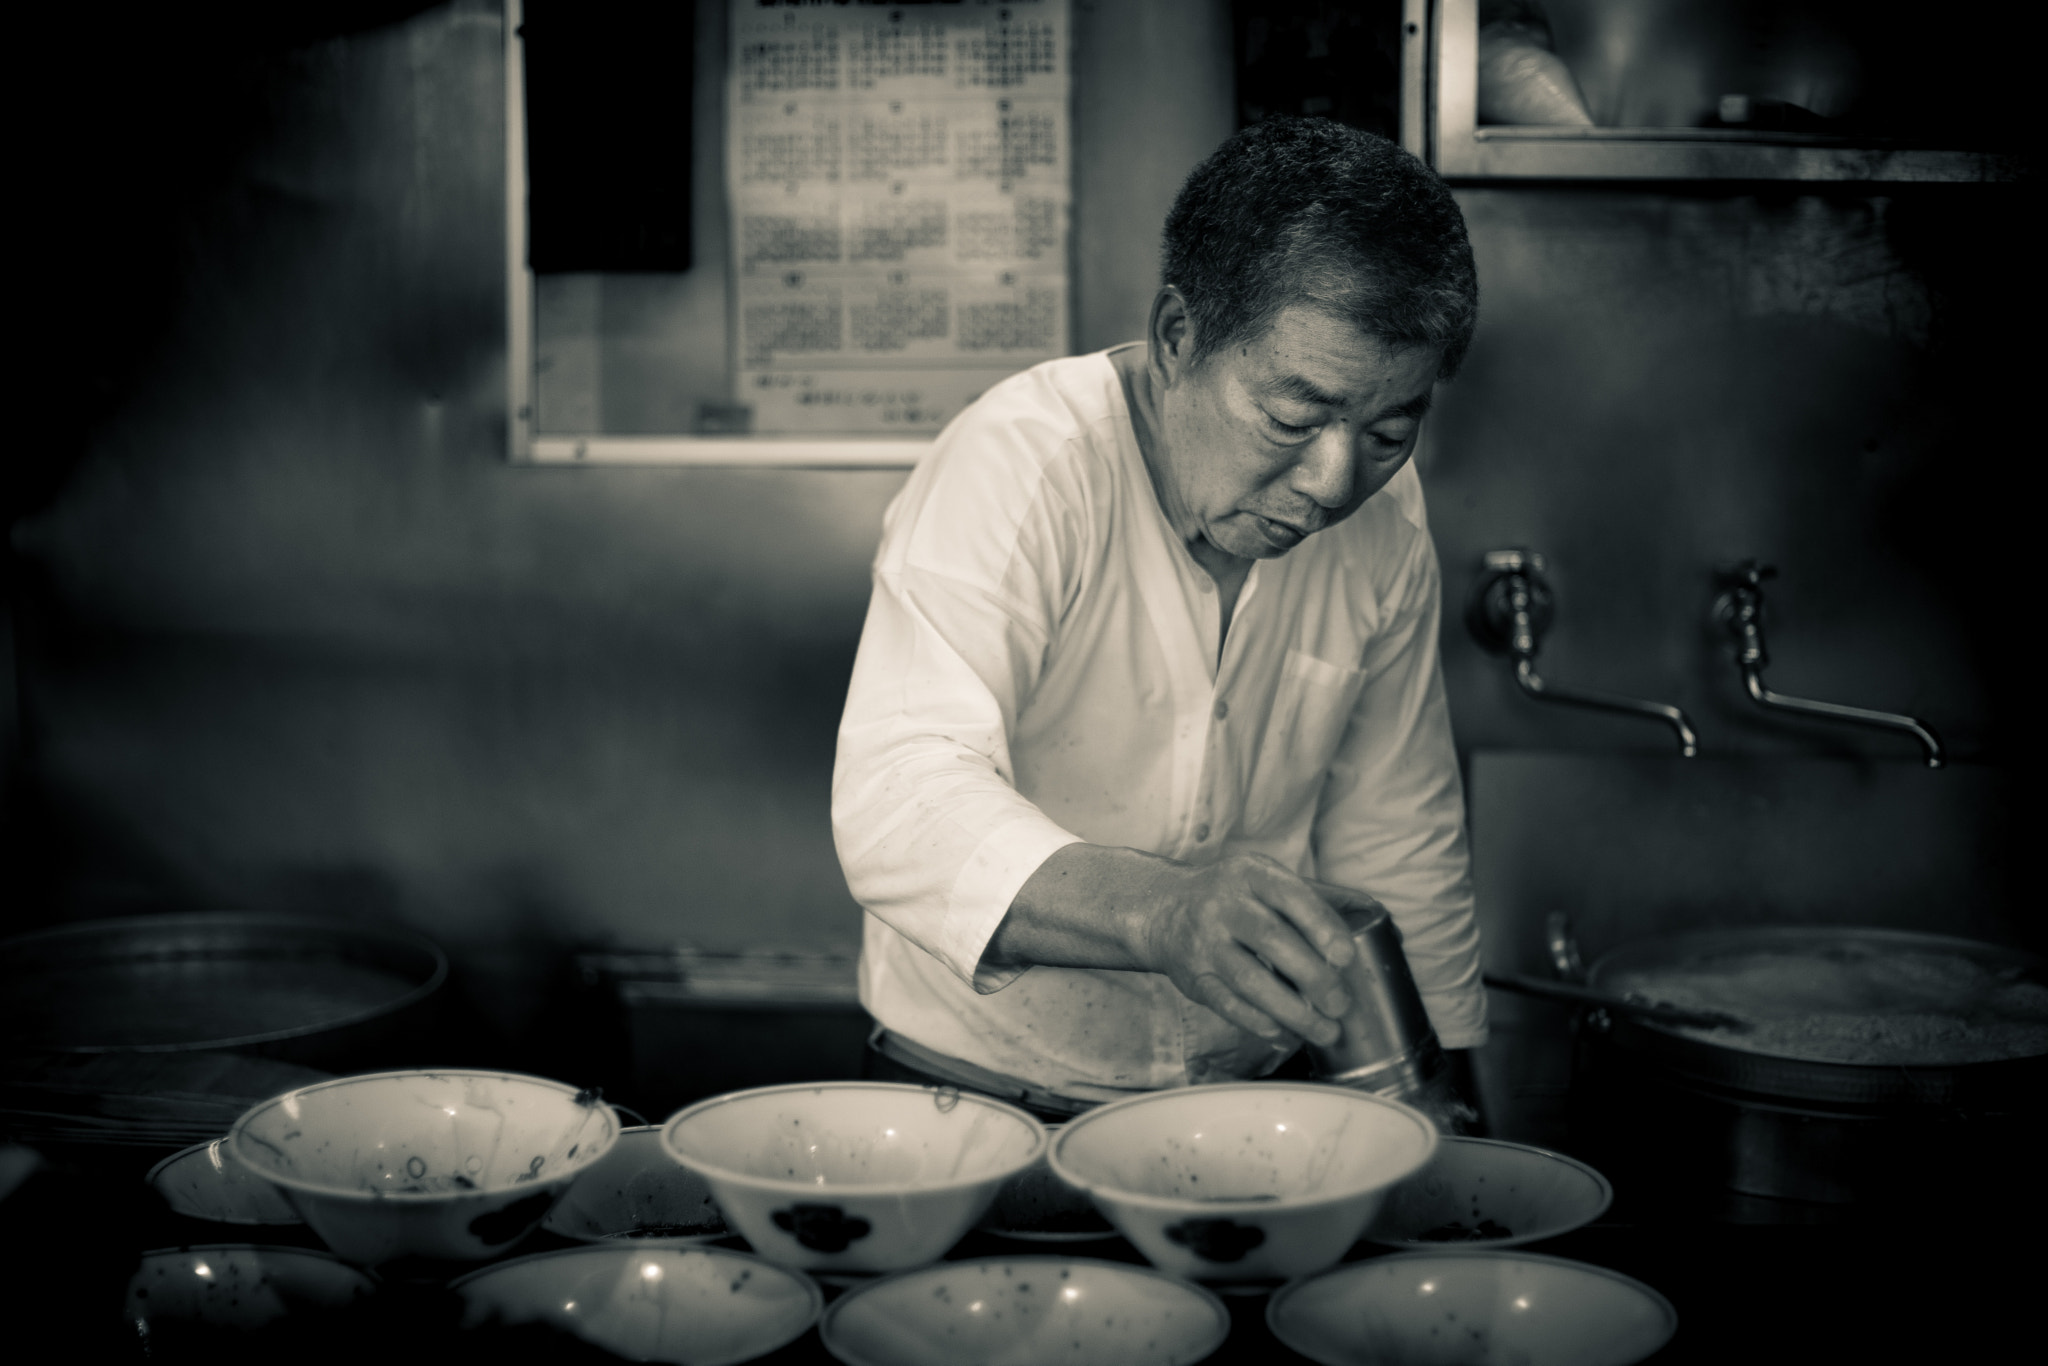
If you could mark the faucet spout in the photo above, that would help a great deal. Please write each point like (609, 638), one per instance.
(1741, 610)
(1544, 691)
(1509, 616)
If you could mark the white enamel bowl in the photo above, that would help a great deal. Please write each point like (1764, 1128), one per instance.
(205, 1182)
(1450, 1308)
(452, 1166)
(853, 1176)
(1026, 1311)
(236, 1286)
(637, 1191)
(1480, 1185)
(704, 1306)
(1244, 1181)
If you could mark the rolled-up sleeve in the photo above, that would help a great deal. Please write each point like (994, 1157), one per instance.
(1391, 820)
(933, 836)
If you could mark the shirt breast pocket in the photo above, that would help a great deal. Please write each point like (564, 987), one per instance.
(1311, 704)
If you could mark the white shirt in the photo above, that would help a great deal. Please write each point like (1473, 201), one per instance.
(1040, 665)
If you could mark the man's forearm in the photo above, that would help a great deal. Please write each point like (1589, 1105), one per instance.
(1087, 906)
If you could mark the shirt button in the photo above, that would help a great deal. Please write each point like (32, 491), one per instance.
(1201, 832)
(1222, 710)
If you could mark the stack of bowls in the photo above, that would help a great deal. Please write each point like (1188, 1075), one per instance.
(1241, 1186)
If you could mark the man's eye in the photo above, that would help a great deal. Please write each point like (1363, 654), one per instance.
(1287, 429)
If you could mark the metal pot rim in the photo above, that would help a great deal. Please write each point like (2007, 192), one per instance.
(1769, 1076)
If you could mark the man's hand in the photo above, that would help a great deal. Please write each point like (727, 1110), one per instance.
(1252, 942)
(1243, 936)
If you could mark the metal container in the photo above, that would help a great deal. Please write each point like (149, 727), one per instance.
(1725, 1064)
(1800, 1135)
(1387, 1046)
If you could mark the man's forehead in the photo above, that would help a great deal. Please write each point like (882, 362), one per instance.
(1308, 356)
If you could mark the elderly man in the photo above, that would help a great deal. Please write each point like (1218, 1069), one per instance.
(1146, 652)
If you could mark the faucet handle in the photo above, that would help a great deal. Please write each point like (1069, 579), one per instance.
(1745, 574)
(1514, 560)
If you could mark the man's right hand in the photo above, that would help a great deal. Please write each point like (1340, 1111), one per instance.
(1243, 936)
(1252, 942)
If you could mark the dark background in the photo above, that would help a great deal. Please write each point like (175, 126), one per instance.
(286, 629)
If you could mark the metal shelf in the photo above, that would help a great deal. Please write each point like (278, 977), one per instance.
(1460, 148)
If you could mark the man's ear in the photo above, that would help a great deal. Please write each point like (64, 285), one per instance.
(1169, 340)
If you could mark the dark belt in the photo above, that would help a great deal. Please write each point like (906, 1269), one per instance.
(889, 1058)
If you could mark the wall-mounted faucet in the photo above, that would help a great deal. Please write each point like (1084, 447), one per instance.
(1740, 609)
(1509, 614)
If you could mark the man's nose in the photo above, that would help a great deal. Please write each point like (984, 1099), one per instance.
(1327, 468)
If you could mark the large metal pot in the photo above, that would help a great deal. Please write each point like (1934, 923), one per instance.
(323, 992)
(1686, 1108)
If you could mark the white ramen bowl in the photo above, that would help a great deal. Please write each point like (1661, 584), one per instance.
(1482, 1192)
(704, 1306)
(445, 1165)
(1024, 1311)
(853, 1176)
(637, 1191)
(1449, 1308)
(1244, 1181)
(235, 1286)
(205, 1182)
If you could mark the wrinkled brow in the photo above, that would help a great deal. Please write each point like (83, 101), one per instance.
(1303, 390)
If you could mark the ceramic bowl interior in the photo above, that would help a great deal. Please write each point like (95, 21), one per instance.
(701, 1305)
(1447, 1308)
(206, 1182)
(867, 1136)
(1027, 1310)
(637, 1191)
(238, 1286)
(422, 1135)
(1480, 1192)
(1268, 1143)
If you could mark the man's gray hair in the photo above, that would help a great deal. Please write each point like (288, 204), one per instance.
(1307, 211)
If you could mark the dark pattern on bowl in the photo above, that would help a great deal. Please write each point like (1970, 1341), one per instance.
(1217, 1240)
(822, 1228)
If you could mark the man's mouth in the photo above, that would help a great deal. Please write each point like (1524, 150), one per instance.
(1282, 535)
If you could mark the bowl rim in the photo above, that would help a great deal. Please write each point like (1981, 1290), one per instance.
(713, 1171)
(1605, 1187)
(155, 1173)
(1277, 1304)
(1200, 1292)
(1145, 1200)
(570, 1171)
(813, 1293)
(319, 1254)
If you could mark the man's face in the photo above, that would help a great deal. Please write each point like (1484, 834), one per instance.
(1268, 441)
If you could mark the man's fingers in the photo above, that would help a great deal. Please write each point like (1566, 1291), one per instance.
(1275, 942)
(1213, 991)
(1255, 983)
(1309, 913)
